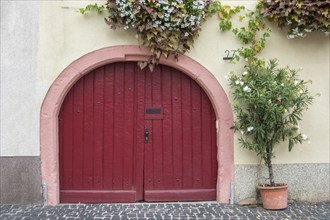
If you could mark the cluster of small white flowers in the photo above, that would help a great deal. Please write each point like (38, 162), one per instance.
(238, 82)
(249, 129)
(167, 18)
(304, 137)
(296, 32)
(247, 89)
(241, 83)
(125, 11)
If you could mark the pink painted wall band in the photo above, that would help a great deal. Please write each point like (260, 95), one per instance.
(69, 76)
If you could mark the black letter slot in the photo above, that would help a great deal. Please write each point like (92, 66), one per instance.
(153, 111)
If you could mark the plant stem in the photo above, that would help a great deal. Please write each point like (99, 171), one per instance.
(268, 161)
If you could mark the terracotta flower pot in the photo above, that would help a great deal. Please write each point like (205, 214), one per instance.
(274, 197)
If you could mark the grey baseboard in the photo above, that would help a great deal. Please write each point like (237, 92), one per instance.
(20, 181)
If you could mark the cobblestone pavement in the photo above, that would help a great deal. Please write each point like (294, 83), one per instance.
(143, 211)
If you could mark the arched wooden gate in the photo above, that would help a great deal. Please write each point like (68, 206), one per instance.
(128, 135)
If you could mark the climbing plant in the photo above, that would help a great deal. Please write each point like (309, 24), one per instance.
(165, 26)
(268, 100)
(252, 34)
(300, 16)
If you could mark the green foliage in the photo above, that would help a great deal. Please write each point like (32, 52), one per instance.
(252, 34)
(92, 7)
(167, 27)
(268, 103)
(268, 100)
(301, 16)
(225, 14)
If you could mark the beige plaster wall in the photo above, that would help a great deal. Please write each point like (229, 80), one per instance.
(65, 35)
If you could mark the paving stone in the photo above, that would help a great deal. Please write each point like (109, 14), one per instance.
(166, 211)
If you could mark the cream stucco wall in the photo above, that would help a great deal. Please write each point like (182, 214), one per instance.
(65, 35)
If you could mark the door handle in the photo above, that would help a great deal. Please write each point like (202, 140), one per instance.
(146, 135)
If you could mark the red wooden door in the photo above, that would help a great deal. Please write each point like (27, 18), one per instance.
(180, 156)
(104, 154)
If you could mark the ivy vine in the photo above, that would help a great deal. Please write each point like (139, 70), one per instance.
(252, 36)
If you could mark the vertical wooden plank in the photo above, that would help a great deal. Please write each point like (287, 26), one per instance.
(187, 133)
(98, 127)
(149, 159)
(196, 136)
(88, 131)
(139, 132)
(129, 123)
(118, 127)
(167, 127)
(157, 131)
(206, 142)
(177, 129)
(78, 131)
(67, 141)
(156, 87)
(108, 126)
(148, 88)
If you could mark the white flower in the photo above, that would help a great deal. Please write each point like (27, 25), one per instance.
(296, 82)
(242, 132)
(246, 89)
(244, 73)
(300, 68)
(304, 137)
(241, 82)
(237, 82)
(250, 129)
(301, 92)
(295, 30)
(291, 36)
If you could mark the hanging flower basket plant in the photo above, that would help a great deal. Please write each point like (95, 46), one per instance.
(165, 26)
(301, 16)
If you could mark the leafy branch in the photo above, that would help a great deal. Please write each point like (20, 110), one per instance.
(253, 35)
(92, 7)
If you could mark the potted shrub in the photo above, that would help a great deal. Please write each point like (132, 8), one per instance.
(268, 104)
